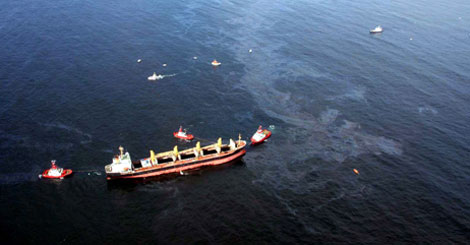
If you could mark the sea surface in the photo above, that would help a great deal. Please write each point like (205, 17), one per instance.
(395, 106)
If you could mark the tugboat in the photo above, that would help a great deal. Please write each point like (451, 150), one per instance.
(260, 136)
(175, 162)
(182, 134)
(55, 172)
(377, 29)
(216, 63)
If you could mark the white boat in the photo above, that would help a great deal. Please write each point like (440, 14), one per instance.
(377, 29)
(155, 77)
(216, 63)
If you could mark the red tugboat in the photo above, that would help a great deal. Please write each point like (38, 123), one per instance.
(55, 172)
(175, 162)
(260, 136)
(182, 134)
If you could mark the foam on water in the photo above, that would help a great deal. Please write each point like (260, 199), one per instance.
(163, 76)
(357, 94)
(427, 110)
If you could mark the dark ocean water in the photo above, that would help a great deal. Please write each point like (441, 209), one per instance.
(395, 106)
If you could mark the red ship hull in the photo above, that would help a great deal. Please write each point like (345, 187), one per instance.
(65, 173)
(188, 136)
(255, 142)
(180, 166)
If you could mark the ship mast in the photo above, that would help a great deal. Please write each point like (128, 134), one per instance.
(121, 149)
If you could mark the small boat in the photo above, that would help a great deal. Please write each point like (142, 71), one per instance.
(139, 60)
(155, 77)
(182, 134)
(377, 29)
(55, 172)
(260, 135)
(216, 63)
(175, 162)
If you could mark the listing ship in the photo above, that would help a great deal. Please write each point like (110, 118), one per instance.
(174, 162)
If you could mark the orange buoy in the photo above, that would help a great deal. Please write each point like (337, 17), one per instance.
(355, 171)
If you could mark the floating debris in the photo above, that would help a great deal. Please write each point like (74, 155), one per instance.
(164, 65)
(411, 39)
(356, 171)
(251, 50)
(195, 58)
(272, 127)
(139, 60)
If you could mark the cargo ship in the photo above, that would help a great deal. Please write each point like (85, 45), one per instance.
(174, 162)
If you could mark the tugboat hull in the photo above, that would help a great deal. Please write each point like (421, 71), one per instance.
(260, 136)
(65, 173)
(255, 142)
(187, 137)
